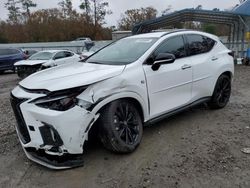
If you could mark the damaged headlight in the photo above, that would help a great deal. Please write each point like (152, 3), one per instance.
(60, 100)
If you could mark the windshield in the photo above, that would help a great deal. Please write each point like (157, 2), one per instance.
(97, 46)
(122, 52)
(42, 56)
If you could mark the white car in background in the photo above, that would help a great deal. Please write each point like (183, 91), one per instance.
(133, 82)
(85, 41)
(43, 60)
(82, 39)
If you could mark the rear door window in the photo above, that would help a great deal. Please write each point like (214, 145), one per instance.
(198, 44)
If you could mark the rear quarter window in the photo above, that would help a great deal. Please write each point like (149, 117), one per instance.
(198, 44)
(68, 54)
(60, 55)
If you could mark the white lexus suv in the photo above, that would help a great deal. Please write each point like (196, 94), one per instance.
(132, 82)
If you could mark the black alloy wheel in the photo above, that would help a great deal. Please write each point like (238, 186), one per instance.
(126, 123)
(120, 126)
(222, 92)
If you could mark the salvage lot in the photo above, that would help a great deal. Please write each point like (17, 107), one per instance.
(197, 148)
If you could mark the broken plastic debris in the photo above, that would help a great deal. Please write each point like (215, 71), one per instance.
(246, 150)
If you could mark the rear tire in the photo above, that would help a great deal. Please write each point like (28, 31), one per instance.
(222, 93)
(120, 126)
(1, 72)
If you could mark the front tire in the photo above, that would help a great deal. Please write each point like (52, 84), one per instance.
(222, 93)
(120, 126)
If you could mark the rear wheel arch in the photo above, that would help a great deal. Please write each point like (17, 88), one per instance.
(222, 91)
(227, 73)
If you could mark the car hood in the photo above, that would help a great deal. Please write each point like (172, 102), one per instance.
(30, 62)
(70, 76)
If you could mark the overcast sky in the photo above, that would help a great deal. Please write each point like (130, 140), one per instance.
(120, 6)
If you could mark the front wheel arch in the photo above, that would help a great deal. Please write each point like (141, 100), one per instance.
(141, 104)
(130, 99)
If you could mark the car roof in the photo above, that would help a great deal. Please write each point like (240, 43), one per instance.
(29, 49)
(55, 51)
(179, 31)
(2, 48)
(149, 35)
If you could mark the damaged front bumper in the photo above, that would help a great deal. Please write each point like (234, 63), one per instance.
(51, 138)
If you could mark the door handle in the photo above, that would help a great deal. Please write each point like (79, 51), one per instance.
(186, 67)
(214, 58)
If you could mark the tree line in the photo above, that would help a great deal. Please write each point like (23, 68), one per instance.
(65, 23)
(56, 24)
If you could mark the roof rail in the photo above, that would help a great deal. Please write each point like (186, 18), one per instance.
(176, 31)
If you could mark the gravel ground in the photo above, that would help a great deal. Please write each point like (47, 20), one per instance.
(197, 148)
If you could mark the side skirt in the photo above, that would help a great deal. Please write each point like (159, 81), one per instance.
(171, 113)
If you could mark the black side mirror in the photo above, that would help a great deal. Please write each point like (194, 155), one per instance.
(163, 58)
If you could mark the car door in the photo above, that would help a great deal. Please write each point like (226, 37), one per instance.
(59, 58)
(169, 87)
(8, 57)
(200, 50)
(5, 58)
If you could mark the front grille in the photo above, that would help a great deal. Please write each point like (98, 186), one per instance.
(27, 70)
(21, 126)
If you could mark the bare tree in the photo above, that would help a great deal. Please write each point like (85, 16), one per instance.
(167, 10)
(134, 16)
(14, 11)
(67, 8)
(26, 5)
(96, 10)
(100, 11)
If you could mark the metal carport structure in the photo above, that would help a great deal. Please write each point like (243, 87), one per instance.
(238, 21)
